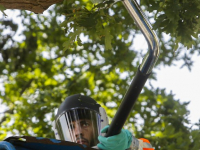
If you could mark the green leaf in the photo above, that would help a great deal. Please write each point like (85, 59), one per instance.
(108, 38)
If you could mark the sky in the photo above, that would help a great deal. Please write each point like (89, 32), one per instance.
(185, 84)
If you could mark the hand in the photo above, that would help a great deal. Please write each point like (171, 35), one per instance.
(120, 141)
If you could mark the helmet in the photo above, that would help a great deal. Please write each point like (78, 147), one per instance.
(80, 119)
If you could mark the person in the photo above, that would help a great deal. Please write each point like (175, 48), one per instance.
(82, 120)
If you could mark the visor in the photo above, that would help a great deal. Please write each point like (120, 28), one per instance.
(80, 126)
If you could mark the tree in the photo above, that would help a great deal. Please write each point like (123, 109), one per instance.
(50, 64)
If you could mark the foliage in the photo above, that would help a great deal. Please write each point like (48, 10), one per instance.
(2, 10)
(96, 21)
(95, 57)
(179, 19)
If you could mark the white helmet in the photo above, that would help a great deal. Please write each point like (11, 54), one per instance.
(80, 119)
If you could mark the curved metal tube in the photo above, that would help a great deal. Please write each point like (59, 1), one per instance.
(143, 72)
(151, 38)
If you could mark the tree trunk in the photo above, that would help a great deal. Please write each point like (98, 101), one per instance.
(36, 6)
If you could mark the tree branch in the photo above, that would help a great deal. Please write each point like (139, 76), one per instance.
(26, 86)
(36, 6)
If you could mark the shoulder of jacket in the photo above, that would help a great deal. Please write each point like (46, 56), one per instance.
(144, 144)
(140, 144)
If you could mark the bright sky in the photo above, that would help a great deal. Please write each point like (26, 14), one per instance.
(184, 84)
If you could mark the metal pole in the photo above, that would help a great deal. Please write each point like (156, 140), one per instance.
(144, 69)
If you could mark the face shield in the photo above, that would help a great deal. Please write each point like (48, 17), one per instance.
(80, 126)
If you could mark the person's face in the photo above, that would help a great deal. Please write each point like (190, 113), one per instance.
(83, 131)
